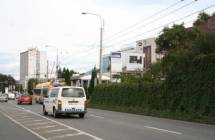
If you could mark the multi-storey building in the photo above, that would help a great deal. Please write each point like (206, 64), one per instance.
(33, 64)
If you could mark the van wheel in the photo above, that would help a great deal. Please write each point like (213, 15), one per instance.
(44, 111)
(55, 114)
(81, 115)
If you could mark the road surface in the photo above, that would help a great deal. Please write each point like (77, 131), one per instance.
(98, 125)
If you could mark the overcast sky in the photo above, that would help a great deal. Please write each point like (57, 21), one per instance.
(58, 23)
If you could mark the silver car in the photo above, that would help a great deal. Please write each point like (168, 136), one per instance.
(3, 98)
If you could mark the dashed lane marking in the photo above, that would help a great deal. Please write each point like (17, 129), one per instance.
(92, 115)
(163, 130)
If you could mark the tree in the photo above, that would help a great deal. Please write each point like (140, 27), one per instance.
(176, 37)
(92, 82)
(19, 88)
(202, 18)
(59, 73)
(66, 75)
(5, 81)
(31, 85)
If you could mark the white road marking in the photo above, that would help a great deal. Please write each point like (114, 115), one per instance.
(164, 130)
(41, 137)
(97, 116)
(56, 130)
(69, 127)
(21, 119)
(43, 127)
(35, 124)
(63, 136)
(29, 121)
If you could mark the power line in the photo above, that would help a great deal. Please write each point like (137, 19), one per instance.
(160, 17)
(111, 46)
(143, 20)
(138, 35)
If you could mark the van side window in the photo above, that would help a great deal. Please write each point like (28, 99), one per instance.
(54, 92)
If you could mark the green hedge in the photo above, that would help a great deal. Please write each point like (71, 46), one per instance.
(185, 94)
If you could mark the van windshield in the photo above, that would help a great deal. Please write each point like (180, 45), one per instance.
(72, 92)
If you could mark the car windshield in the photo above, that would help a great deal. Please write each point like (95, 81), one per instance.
(73, 92)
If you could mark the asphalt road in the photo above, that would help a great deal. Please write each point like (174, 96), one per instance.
(100, 124)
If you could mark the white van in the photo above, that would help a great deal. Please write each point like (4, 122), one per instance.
(65, 100)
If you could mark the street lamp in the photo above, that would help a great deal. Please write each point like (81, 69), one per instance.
(101, 42)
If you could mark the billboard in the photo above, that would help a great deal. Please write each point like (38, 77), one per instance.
(116, 61)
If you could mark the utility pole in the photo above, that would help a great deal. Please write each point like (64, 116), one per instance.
(110, 67)
(101, 51)
(57, 66)
(47, 72)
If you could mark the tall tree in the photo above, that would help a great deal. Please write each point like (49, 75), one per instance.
(202, 18)
(92, 81)
(176, 37)
(31, 85)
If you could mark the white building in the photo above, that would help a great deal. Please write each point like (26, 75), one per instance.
(132, 59)
(127, 60)
(33, 64)
(148, 47)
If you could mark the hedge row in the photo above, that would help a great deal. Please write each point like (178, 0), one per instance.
(187, 95)
(128, 95)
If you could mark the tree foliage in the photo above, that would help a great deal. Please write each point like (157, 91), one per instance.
(31, 85)
(92, 81)
(188, 73)
(202, 18)
(66, 74)
(5, 81)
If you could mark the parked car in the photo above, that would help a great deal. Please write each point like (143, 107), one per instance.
(24, 99)
(65, 100)
(3, 98)
(11, 96)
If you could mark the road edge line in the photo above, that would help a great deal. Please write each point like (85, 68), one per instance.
(18, 123)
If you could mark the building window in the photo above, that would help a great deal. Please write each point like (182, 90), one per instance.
(135, 60)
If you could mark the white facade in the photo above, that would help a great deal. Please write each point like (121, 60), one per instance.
(132, 59)
(123, 62)
(33, 64)
(148, 47)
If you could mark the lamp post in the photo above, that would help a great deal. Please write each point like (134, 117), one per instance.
(101, 42)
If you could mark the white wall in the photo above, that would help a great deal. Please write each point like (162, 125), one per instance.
(32, 62)
(23, 67)
(43, 64)
(133, 66)
(148, 42)
(32, 57)
(116, 62)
